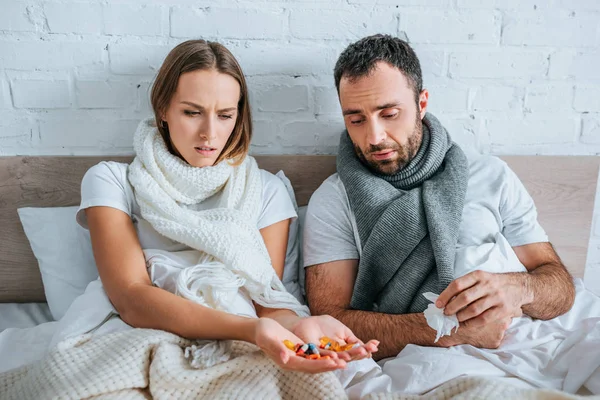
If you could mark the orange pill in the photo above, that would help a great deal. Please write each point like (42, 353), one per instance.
(313, 357)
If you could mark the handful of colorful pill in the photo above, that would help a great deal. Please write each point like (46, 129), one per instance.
(311, 351)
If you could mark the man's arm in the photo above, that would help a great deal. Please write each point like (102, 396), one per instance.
(329, 289)
(550, 284)
(544, 292)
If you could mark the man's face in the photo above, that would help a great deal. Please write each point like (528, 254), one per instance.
(383, 119)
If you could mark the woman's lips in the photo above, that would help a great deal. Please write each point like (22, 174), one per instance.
(205, 151)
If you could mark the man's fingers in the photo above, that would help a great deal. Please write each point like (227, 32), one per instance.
(491, 315)
(456, 287)
(475, 309)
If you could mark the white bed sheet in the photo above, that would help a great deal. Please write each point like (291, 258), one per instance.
(26, 330)
(23, 315)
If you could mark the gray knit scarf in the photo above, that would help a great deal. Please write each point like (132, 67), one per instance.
(408, 222)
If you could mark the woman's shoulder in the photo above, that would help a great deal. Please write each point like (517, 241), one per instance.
(107, 174)
(278, 201)
(269, 178)
(275, 184)
(108, 168)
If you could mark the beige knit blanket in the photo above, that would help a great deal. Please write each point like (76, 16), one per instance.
(145, 363)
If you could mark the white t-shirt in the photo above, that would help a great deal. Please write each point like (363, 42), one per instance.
(498, 213)
(106, 184)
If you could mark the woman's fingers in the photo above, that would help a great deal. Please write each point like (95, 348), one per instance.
(372, 346)
(333, 355)
(360, 352)
(314, 366)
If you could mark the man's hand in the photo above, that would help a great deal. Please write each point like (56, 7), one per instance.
(480, 298)
(488, 337)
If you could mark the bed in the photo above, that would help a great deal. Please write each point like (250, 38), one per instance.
(563, 188)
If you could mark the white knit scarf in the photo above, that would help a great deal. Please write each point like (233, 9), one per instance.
(166, 188)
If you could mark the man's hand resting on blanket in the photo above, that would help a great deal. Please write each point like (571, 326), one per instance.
(489, 336)
(269, 336)
(480, 298)
(312, 329)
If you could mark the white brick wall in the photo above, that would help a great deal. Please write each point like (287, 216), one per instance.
(282, 99)
(499, 63)
(540, 28)
(73, 17)
(452, 27)
(505, 76)
(549, 98)
(41, 94)
(587, 98)
(135, 20)
(104, 94)
(242, 23)
(14, 17)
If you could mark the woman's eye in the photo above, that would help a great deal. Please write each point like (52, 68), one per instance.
(225, 116)
(356, 121)
(191, 113)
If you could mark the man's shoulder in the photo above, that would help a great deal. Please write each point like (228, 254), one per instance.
(330, 197)
(332, 187)
(486, 162)
(487, 167)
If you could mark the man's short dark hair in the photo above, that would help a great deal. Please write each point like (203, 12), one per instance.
(360, 58)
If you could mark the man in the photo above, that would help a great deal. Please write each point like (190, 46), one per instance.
(406, 210)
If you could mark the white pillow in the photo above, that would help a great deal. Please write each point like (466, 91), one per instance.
(292, 257)
(64, 253)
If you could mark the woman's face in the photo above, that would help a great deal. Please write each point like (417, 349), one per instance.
(202, 114)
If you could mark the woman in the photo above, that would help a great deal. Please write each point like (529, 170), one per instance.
(193, 188)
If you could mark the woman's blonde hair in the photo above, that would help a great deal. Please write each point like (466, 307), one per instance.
(193, 55)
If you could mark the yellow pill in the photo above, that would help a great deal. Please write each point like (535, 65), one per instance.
(289, 345)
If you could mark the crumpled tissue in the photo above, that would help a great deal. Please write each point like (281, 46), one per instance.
(436, 319)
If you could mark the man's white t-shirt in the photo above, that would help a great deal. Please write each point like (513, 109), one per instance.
(498, 214)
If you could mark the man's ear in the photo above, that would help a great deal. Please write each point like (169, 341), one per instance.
(423, 102)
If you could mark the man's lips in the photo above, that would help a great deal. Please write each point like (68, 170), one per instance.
(383, 155)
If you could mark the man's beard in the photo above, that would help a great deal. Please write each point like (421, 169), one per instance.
(404, 154)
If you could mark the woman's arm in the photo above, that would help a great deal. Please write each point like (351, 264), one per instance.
(122, 268)
(276, 237)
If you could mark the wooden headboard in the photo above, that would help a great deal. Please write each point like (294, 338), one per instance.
(563, 188)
